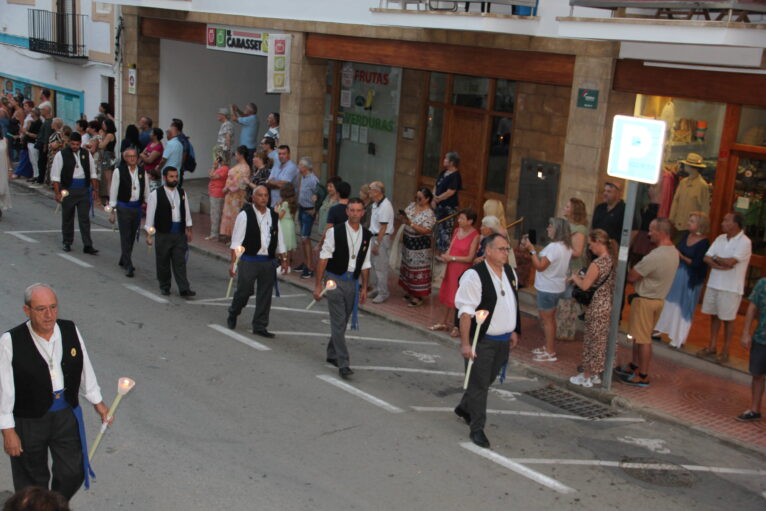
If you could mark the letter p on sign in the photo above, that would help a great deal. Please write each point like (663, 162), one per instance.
(636, 149)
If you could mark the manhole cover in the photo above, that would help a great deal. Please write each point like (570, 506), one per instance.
(571, 403)
(660, 473)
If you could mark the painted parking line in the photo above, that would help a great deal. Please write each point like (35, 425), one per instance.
(239, 337)
(408, 370)
(359, 393)
(147, 294)
(73, 259)
(22, 237)
(274, 308)
(517, 467)
(641, 466)
(521, 413)
(226, 301)
(357, 337)
(48, 231)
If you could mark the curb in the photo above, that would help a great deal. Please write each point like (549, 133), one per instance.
(607, 397)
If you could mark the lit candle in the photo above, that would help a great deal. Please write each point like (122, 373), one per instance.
(481, 316)
(150, 233)
(124, 385)
(64, 195)
(329, 286)
(237, 254)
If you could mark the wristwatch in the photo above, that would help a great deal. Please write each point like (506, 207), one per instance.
(533, 252)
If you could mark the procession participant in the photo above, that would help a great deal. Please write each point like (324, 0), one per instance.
(257, 230)
(346, 257)
(491, 286)
(167, 211)
(43, 365)
(126, 196)
(74, 170)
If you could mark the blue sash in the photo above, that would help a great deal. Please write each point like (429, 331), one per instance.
(133, 204)
(176, 227)
(59, 403)
(79, 183)
(349, 276)
(500, 338)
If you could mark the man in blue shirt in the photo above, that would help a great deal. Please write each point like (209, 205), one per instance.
(307, 212)
(756, 342)
(268, 145)
(173, 154)
(145, 128)
(283, 171)
(248, 137)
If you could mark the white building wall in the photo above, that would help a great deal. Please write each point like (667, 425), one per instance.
(195, 82)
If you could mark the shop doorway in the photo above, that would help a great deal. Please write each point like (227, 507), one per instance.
(463, 129)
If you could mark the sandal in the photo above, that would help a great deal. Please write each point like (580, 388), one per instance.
(706, 352)
(438, 327)
(538, 351)
(545, 357)
(455, 332)
(722, 358)
(415, 302)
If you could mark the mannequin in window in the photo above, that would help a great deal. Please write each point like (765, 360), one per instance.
(692, 194)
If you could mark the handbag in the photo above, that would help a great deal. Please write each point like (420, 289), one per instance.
(585, 296)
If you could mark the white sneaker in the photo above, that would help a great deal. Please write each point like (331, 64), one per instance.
(581, 380)
(595, 379)
(545, 357)
(538, 351)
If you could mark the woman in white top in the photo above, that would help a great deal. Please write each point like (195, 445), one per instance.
(550, 282)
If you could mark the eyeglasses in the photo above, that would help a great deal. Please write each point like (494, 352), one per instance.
(42, 309)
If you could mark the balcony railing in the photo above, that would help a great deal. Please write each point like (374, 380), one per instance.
(57, 33)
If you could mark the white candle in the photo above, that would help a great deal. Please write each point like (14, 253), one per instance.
(124, 385)
(481, 316)
(329, 286)
(64, 195)
(237, 254)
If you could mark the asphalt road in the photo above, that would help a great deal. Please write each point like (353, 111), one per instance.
(220, 422)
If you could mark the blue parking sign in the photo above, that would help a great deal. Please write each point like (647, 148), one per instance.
(636, 149)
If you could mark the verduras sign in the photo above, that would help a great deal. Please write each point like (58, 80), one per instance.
(252, 41)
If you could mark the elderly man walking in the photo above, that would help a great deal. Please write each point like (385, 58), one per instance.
(382, 227)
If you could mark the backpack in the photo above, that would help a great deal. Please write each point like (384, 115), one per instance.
(321, 193)
(190, 161)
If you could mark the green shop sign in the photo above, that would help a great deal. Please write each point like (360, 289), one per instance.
(368, 121)
(587, 98)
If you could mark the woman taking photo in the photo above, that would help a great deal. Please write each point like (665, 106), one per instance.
(459, 256)
(678, 311)
(417, 254)
(568, 309)
(261, 169)
(235, 190)
(600, 273)
(551, 265)
(446, 200)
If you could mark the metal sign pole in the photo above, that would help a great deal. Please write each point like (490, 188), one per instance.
(619, 285)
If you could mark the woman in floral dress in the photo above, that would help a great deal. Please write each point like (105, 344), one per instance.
(236, 188)
(417, 253)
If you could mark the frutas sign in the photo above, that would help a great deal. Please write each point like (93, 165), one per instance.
(251, 41)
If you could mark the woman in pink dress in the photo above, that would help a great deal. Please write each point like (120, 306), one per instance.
(459, 257)
(237, 185)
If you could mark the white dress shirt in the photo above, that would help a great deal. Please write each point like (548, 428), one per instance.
(88, 384)
(738, 247)
(135, 192)
(468, 298)
(175, 212)
(79, 172)
(264, 224)
(382, 213)
(354, 240)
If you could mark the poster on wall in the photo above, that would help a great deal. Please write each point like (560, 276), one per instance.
(251, 41)
(278, 66)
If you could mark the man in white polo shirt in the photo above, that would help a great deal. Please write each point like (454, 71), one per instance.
(728, 258)
(382, 227)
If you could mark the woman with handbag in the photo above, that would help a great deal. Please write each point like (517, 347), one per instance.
(596, 286)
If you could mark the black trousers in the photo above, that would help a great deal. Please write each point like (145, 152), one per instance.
(77, 201)
(42, 165)
(248, 273)
(490, 358)
(128, 221)
(170, 249)
(57, 432)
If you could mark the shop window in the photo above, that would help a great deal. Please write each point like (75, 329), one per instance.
(499, 150)
(432, 157)
(505, 96)
(752, 126)
(438, 87)
(750, 200)
(470, 91)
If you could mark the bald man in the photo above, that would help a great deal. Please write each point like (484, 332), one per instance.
(43, 367)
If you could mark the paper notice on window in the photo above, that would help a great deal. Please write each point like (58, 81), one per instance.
(743, 203)
(346, 130)
(345, 98)
(363, 134)
(355, 133)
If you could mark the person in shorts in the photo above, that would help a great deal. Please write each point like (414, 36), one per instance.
(756, 343)
(306, 213)
(728, 258)
(652, 278)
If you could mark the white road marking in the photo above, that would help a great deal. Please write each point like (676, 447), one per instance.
(356, 337)
(74, 260)
(211, 301)
(426, 358)
(364, 395)
(47, 231)
(407, 370)
(505, 395)
(653, 444)
(310, 311)
(147, 294)
(641, 466)
(518, 468)
(22, 237)
(291, 309)
(239, 337)
(532, 414)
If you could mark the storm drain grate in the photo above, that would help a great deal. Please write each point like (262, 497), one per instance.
(571, 403)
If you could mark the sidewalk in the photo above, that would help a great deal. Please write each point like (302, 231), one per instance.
(685, 390)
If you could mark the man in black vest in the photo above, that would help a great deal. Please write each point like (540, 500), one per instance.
(256, 228)
(126, 196)
(43, 367)
(490, 286)
(74, 170)
(167, 213)
(345, 255)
